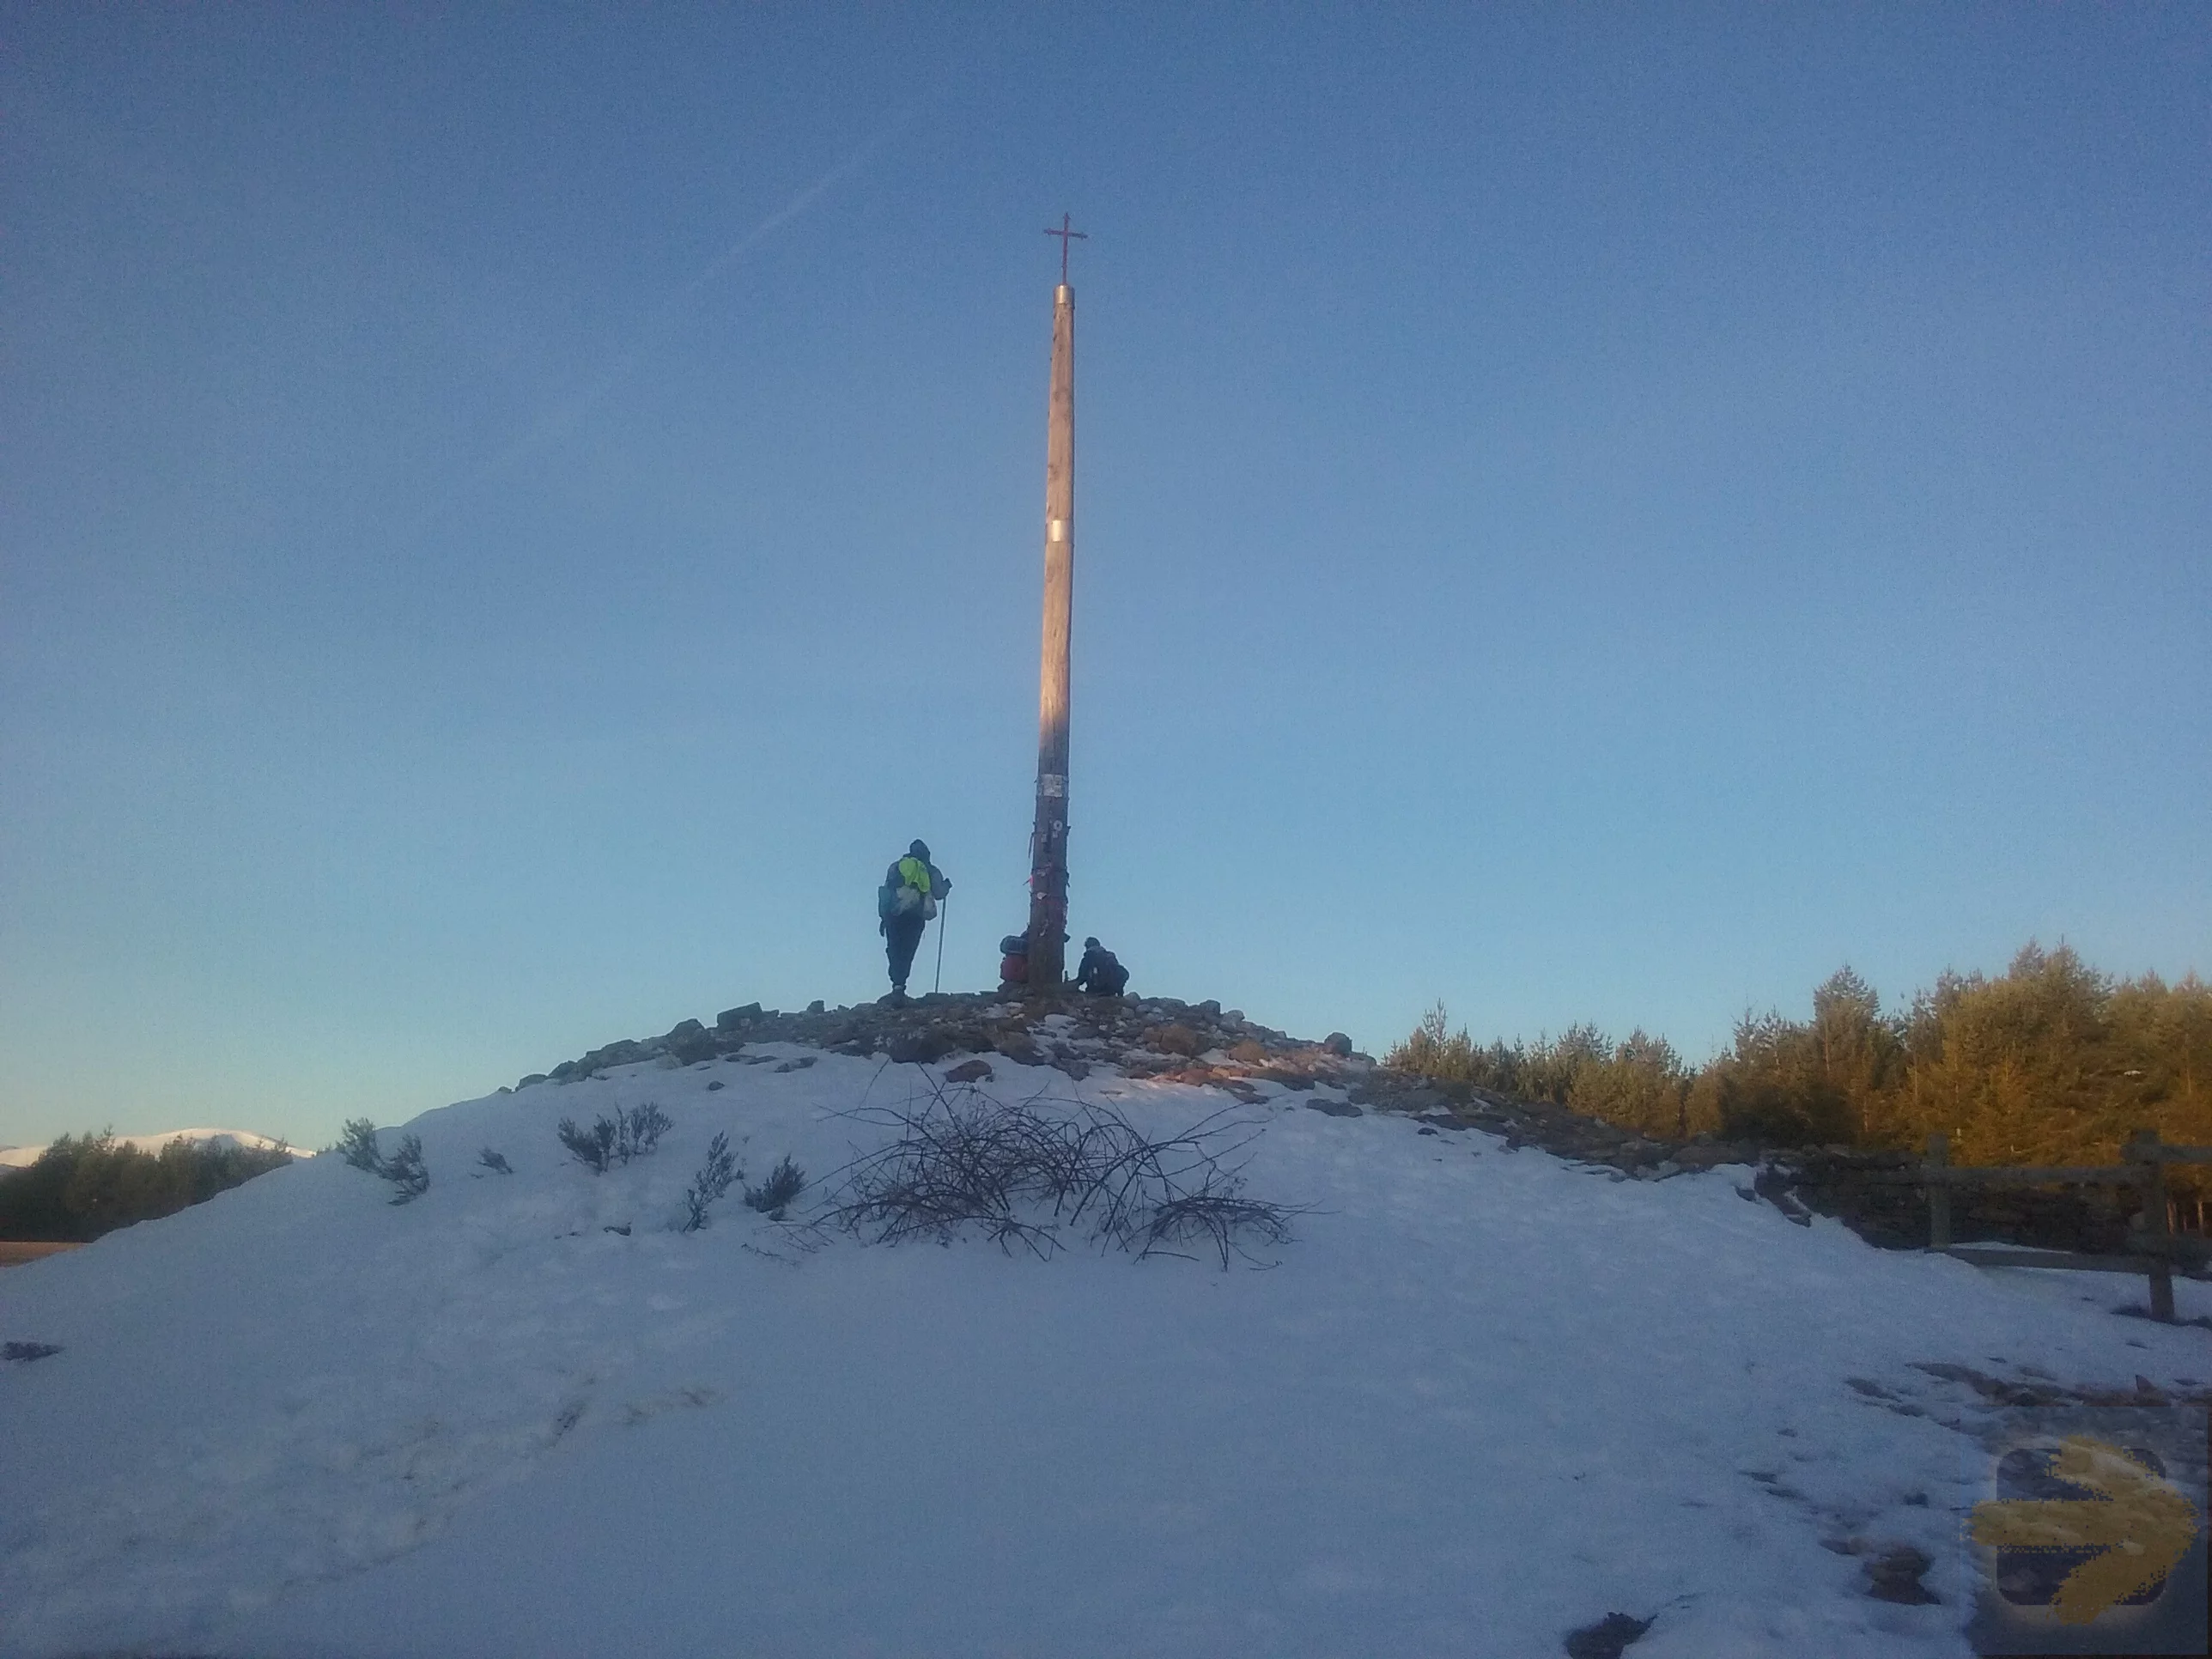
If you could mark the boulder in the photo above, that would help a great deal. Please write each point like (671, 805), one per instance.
(691, 1041)
(1608, 1639)
(1173, 1040)
(967, 1039)
(627, 1052)
(730, 1018)
(918, 1048)
(1338, 1044)
(1894, 1576)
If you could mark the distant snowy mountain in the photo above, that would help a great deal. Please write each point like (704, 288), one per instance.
(18, 1156)
(1482, 1398)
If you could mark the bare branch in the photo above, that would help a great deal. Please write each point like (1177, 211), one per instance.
(1021, 1174)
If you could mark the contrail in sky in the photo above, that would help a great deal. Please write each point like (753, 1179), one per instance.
(566, 415)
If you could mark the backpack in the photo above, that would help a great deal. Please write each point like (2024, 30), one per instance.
(897, 899)
(910, 898)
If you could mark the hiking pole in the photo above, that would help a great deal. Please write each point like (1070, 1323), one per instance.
(944, 914)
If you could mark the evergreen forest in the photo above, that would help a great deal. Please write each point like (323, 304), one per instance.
(2050, 1062)
(82, 1186)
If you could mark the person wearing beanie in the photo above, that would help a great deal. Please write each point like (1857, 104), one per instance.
(1100, 973)
(904, 904)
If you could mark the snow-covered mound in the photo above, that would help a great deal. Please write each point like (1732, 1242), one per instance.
(1482, 1399)
(23, 1157)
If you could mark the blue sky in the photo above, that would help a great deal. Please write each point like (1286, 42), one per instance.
(510, 518)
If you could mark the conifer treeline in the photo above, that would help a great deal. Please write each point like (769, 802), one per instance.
(2052, 1062)
(83, 1186)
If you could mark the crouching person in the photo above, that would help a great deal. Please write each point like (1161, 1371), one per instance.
(1100, 973)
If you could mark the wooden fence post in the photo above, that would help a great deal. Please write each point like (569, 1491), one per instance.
(2144, 1149)
(1939, 1195)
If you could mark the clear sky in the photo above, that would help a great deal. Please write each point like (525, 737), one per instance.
(511, 517)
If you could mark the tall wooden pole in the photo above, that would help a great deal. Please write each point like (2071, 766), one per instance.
(1048, 960)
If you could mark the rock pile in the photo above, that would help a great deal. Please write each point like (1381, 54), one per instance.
(1142, 1036)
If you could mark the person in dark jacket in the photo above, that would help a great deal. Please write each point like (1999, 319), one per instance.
(904, 904)
(1100, 973)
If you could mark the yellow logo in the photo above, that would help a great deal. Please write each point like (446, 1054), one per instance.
(2139, 1525)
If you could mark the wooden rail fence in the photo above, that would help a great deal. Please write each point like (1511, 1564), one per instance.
(2145, 1157)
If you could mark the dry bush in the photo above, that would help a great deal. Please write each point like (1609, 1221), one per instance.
(712, 1180)
(405, 1169)
(610, 1140)
(1036, 1172)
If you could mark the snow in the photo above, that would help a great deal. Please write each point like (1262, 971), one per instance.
(23, 1157)
(1483, 1398)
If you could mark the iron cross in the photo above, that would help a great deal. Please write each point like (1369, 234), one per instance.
(1064, 233)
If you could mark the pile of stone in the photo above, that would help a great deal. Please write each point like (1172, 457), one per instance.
(1157, 1037)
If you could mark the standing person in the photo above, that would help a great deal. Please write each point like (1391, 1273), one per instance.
(904, 904)
(1101, 973)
